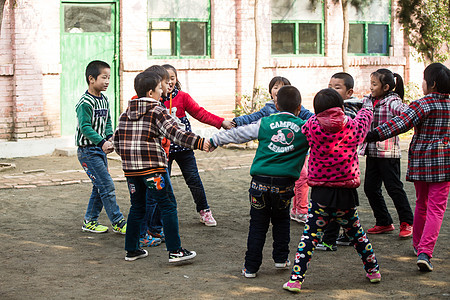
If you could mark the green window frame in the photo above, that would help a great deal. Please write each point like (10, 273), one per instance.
(370, 29)
(369, 39)
(297, 28)
(176, 37)
(311, 45)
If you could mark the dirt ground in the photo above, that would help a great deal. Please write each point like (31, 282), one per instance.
(45, 255)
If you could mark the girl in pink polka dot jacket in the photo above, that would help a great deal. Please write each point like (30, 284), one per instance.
(333, 175)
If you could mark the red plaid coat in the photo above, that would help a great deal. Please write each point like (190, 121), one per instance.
(429, 151)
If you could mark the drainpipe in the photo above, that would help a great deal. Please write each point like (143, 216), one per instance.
(12, 5)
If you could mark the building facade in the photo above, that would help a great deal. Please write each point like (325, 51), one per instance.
(217, 46)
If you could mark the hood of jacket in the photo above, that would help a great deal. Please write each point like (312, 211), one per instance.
(332, 119)
(139, 107)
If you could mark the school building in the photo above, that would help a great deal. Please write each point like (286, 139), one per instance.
(216, 46)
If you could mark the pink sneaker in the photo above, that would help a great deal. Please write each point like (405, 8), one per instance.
(293, 286)
(207, 218)
(374, 277)
(300, 218)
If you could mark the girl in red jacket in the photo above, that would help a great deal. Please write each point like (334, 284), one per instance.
(178, 103)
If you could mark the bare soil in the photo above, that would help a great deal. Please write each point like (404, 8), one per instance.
(45, 255)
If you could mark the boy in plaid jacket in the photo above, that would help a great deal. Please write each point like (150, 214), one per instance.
(138, 142)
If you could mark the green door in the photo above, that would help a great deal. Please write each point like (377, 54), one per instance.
(89, 32)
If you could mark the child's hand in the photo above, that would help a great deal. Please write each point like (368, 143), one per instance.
(108, 147)
(206, 146)
(228, 124)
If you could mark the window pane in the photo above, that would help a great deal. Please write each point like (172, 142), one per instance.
(283, 38)
(296, 10)
(356, 39)
(162, 36)
(198, 9)
(192, 38)
(377, 38)
(374, 10)
(309, 38)
(87, 18)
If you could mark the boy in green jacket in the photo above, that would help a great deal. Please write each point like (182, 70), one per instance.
(93, 138)
(275, 168)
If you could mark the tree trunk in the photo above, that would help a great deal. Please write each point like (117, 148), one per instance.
(345, 35)
(257, 46)
(2, 5)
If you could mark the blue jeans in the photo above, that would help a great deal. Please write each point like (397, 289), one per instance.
(95, 164)
(160, 188)
(188, 166)
(152, 219)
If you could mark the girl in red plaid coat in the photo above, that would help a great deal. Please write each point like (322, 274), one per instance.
(428, 157)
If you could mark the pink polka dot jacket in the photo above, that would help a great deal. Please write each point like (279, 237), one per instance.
(334, 139)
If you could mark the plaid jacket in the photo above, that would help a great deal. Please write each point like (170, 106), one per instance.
(386, 109)
(138, 137)
(429, 151)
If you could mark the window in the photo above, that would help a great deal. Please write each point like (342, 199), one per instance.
(370, 29)
(179, 28)
(84, 18)
(297, 28)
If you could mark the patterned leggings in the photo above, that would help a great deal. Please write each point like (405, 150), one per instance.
(318, 219)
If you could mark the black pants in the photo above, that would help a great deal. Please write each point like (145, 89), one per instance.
(387, 171)
(270, 200)
(331, 233)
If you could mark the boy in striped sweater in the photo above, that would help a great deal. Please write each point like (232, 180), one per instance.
(93, 138)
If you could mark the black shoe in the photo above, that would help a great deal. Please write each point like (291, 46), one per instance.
(326, 247)
(343, 240)
(133, 255)
(423, 262)
(181, 254)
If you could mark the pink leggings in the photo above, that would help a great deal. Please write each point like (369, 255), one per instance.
(300, 200)
(431, 203)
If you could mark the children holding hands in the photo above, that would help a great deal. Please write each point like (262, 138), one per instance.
(278, 160)
(138, 142)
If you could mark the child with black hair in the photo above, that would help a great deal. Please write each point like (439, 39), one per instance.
(428, 157)
(278, 160)
(299, 208)
(342, 83)
(93, 138)
(333, 175)
(383, 158)
(138, 142)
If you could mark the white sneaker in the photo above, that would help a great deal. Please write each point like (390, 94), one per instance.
(283, 265)
(300, 218)
(207, 218)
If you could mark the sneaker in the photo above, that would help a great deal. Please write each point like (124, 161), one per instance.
(181, 254)
(159, 235)
(380, 229)
(293, 286)
(207, 218)
(283, 265)
(149, 241)
(133, 255)
(93, 226)
(415, 250)
(300, 218)
(120, 227)
(406, 230)
(343, 240)
(423, 262)
(326, 247)
(374, 277)
(247, 274)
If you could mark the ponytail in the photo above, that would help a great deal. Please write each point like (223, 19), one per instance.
(399, 86)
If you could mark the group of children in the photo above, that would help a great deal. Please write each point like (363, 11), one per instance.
(287, 133)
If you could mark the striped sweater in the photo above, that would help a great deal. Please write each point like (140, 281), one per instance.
(94, 120)
(139, 133)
